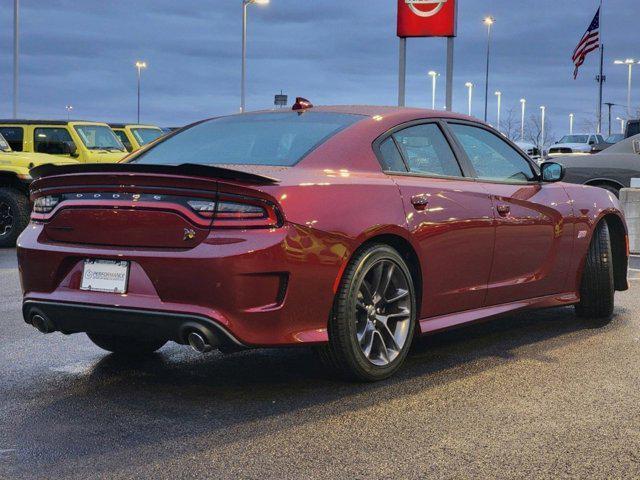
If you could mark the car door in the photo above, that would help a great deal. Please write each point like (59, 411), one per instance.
(449, 215)
(533, 242)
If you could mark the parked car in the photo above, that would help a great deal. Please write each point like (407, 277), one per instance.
(347, 228)
(610, 140)
(86, 142)
(14, 189)
(134, 137)
(611, 169)
(632, 128)
(581, 144)
(530, 149)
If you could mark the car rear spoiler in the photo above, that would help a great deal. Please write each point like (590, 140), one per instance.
(188, 169)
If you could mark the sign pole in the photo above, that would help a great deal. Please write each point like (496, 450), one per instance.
(449, 94)
(402, 72)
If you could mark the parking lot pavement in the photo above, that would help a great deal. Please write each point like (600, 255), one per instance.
(532, 395)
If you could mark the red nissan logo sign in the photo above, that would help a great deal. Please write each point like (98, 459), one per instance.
(426, 18)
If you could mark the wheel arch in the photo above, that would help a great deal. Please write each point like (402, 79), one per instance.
(596, 182)
(11, 180)
(619, 249)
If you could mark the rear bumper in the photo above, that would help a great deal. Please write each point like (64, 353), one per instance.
(261, 287)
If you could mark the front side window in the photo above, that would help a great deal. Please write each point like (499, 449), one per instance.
(146, 135)
(54, 141)
(122, 135)
(99, 137)
(15, 137)
(426, 151)
(492, 157)
(280, 139)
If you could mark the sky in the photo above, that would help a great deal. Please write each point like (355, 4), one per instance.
(330, 51)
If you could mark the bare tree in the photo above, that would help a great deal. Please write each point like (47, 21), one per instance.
(510, 126)
(533, 132)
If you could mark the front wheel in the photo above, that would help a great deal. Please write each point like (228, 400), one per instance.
(374, 316)
(597, 286)
(126, 345)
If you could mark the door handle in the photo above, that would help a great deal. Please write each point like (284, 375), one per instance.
(503, 210)
(420, 202)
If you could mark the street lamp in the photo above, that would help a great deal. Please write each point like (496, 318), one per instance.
(621, 124)
(140, 65)
(630, 62)
(68, 108)
(499, 95)
(434, 76)
(469, 85)
(15, 57)
(488, 21)
(243, 81)
(523, 102)
(571, 124)
(544, 110)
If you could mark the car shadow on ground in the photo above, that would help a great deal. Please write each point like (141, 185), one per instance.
(175, 397)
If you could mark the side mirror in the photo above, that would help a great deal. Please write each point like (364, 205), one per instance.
(552, 172)
(70, 148)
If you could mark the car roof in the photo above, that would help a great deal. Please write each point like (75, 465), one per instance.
(43, 122)
(387, 111)
(123, 125)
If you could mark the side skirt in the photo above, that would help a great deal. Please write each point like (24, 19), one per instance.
(445, 322)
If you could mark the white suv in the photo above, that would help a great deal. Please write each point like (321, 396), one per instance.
(576, 144)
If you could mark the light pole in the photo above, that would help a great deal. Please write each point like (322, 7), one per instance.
(15, 57)
(434, 76)
(571, 124)
(621, 124)
(499, 95)
(543, 109)
(523, 102)
(140, 66)
(469, 85)
(488, 21)
(243, 81)
(68, 108)
(630, 62)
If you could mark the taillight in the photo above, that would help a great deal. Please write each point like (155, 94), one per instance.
(237, 213)
(45, 204)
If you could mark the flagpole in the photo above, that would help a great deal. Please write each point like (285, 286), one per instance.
(601, 77)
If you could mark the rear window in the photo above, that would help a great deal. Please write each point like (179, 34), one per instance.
(280, 139)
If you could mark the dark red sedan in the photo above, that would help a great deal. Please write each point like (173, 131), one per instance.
(351, 228)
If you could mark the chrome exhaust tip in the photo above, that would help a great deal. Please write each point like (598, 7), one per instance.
(198, 342)
(42, 324)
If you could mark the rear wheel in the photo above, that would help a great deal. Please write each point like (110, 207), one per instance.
(126, 345)
(14, 215)
(597, 286)
(373, 320)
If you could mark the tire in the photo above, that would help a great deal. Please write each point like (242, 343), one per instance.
(126, 345)
(597, 287)
(366, 318)
(14, 215)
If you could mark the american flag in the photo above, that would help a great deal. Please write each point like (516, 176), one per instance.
(589, 42)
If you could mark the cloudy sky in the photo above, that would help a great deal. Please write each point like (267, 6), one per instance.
(330, 51)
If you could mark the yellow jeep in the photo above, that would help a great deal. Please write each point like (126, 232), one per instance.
(14, 188)
(135, 137)
(85, 142)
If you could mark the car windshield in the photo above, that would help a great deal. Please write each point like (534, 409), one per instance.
(574, 139)
(4, 145)
(146, 135)
(99, 137)
(280, 139)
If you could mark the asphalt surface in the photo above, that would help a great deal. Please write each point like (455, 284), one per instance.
(533, 395)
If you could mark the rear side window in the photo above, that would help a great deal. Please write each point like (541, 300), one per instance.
(123, 138)
(15, 137)
(426, 151)
(51, 140)
(280, 139)
(492, 157)
(391, 158)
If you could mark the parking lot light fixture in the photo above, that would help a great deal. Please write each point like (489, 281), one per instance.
(68, 108)
(499, 95)
(140, 65)
(571, 124)
(469, 85)
(243, 80)
(488, 21)
(523, 102)
(434, 76)
(630, 62)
